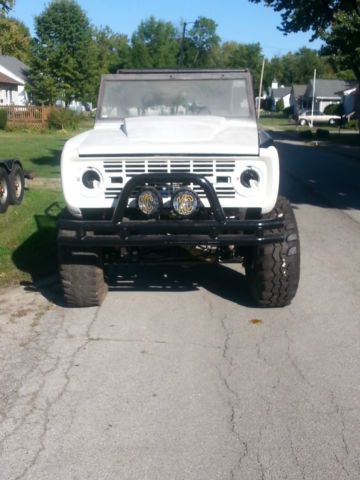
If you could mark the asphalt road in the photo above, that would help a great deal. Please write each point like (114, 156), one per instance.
(178, 377)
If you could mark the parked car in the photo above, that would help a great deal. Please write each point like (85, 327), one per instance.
(305, 117)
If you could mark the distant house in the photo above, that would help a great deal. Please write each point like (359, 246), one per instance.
(349, 100)
(276, 93)
(12, 81)
(297, 97)
(326, 93)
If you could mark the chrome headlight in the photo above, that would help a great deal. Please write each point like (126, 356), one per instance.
(91, 179)
(250, 178)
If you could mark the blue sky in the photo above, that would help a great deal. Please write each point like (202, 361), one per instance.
(237, 20)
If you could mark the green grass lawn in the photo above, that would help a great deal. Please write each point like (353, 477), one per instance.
(28, 237)
(39, 151)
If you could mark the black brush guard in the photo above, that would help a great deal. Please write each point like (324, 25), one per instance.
(121, 232)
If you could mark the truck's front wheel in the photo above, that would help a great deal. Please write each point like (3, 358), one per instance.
(82, 277)
(273, 270)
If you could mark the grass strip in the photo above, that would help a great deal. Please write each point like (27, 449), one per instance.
(28, 237)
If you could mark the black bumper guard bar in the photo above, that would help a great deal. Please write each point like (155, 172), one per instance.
(119, 232)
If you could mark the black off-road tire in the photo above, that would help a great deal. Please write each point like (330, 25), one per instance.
(17, 185)
(82, 278)
(4, 190)
(273, 270)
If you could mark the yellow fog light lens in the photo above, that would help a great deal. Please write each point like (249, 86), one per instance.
(149, 202)
(185, 202)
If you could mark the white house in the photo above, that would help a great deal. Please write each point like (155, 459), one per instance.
(326, 92)
(349, 100)
(277, 93)
(12, 81)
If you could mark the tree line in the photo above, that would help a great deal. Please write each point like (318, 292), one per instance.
(67, 55)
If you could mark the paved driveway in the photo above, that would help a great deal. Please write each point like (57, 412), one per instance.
(178, 377)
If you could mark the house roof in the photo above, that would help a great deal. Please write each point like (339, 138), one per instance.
(327, 88)
(5, 79)
(14, 66)
(349, 89)
(280, 92)
(299, 90)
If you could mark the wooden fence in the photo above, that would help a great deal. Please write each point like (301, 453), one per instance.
(28, 116)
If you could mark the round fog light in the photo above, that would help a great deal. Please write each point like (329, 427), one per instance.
(185, 202)
(149, 202)
(91, 179)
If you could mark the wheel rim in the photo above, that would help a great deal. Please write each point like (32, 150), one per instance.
(17, 185)
(3, 191)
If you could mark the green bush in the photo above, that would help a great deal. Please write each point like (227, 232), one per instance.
(63, 118)
(266, 104)
(3, 118)
(351, 125)
(334, 109)
(280, 105)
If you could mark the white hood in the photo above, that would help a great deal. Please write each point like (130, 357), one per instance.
(173, 135)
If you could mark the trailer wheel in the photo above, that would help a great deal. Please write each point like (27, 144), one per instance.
(4, 190)
(273, 270)
(17, 185)
(82, 277)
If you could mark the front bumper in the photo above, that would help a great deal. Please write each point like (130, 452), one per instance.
(122, 232)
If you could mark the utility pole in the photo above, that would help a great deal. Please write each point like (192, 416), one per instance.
(183, 40)
(182, 45)
(260, 88)
(313, 100)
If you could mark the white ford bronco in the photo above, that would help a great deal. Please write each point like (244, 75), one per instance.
(175, 161)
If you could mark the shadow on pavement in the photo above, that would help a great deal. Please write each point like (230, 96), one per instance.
(220, 280)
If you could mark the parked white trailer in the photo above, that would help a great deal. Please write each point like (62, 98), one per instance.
(12, 183)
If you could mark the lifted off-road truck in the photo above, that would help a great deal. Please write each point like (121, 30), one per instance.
(176, 161)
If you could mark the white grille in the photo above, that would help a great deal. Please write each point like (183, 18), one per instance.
(208, 168)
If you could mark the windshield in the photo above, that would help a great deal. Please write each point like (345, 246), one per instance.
(223, 97)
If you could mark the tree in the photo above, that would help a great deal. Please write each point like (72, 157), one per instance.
(343, 41)
(5, 6)
(239, 55)
(203, 46)
(113, 50)
(154, 45)
(299, 67)
(14, 38)
(63, 55)
(337, 22)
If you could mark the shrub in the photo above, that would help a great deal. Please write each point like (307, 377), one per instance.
(266, 104)
(351, 125)
(62, 119)
(334, 109)
(3, 118)
(280, 105)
